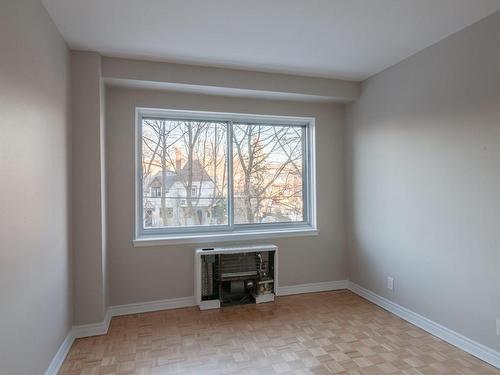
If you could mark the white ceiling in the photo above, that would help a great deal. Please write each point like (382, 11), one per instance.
(350, 39)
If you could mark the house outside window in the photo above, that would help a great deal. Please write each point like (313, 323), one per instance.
(194, 191)
(227, 174)
(155, 192)
(148, 217)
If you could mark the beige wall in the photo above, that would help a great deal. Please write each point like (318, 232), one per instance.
(35, 261)
(152, 273)
(88, 188)
(424, 180)
(195, 77)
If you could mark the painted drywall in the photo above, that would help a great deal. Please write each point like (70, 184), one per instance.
(88, 188)
(423, 178)
(192, 77)
(35, 257)
(162, 272)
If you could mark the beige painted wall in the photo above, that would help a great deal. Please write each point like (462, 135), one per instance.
(153, 273)
(35, 260)
(424, 182)
(194, 77)
(88, 188)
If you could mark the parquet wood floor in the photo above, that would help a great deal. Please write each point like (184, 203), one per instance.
(320, 333)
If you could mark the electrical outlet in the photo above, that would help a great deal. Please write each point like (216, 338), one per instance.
(390, 283)
(498, 327)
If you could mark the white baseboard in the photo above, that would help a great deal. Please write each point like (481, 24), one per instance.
(142, 307)
(58, 359)
(312, 288)
(95, 329)
(470, 346)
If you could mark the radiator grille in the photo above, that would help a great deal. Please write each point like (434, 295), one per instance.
(216, 268)
(239, 265)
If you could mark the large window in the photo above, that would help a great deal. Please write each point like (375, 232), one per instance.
(202, 174)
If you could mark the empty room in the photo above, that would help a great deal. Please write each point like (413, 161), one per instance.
(249, 187)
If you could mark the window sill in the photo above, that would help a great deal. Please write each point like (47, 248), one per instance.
(147, 241)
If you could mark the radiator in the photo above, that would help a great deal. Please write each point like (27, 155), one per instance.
(235, 275)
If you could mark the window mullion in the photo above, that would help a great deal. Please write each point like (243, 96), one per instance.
(230, 211)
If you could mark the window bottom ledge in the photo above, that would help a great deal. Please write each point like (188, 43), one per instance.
(147, 241)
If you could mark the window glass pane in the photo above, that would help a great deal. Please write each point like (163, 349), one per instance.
(184, 169)
(268, 173)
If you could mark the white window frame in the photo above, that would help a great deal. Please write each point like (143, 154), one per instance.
(231, 232)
